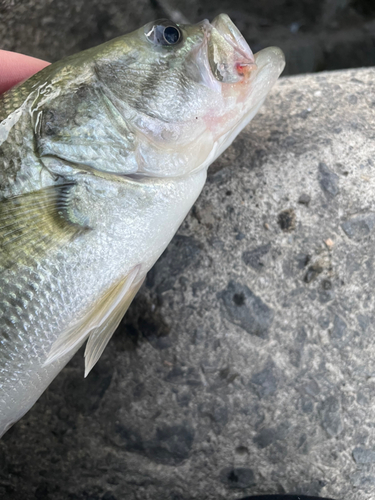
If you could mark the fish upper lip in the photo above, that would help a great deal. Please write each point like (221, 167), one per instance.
(242, 58)
(228, 30)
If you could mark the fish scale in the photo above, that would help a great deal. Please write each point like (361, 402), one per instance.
(101, 157)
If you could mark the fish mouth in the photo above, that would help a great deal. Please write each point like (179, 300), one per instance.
(269, 64)
(229, 31)
(229, 55)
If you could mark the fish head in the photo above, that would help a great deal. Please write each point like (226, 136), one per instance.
(163, 101)
(190, 89)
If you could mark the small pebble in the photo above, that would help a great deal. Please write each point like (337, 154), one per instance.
(287, 220)
(329, 243)
(312, 272)
(304, 199)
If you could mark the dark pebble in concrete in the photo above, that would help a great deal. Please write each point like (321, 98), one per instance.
(246, 310)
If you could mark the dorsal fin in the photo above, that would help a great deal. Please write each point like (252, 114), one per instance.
(33, 223)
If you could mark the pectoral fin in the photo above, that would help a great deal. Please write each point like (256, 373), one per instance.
(99, 323)
(33, 223)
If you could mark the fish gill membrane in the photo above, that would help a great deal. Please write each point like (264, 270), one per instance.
(102, 155)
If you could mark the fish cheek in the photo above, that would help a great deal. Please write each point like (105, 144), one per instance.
(157, 87)
(132, 80)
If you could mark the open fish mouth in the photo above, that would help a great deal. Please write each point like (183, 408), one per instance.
(234, 37)
(229, 55)
(269, 64)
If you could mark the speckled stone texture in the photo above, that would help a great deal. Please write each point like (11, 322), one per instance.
(246, 364)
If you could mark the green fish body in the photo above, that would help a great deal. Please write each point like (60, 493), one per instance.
(101, 157)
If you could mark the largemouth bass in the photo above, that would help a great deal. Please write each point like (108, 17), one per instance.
(101, 157)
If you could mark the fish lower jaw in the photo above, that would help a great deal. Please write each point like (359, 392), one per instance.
(229, 137)
(269, 63)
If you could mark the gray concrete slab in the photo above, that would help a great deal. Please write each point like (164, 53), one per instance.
(246, 365)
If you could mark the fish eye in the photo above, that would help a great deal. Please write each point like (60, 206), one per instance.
(171, 34)
(163, 32)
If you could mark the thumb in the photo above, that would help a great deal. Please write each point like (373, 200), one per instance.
(15, 68)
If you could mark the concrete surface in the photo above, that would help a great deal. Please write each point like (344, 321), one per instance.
(246, 365)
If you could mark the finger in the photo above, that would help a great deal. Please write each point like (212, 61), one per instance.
(15, 68)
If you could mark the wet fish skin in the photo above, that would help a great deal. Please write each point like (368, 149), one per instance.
(101, 156)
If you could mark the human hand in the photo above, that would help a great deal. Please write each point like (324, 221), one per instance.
(15, 68)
